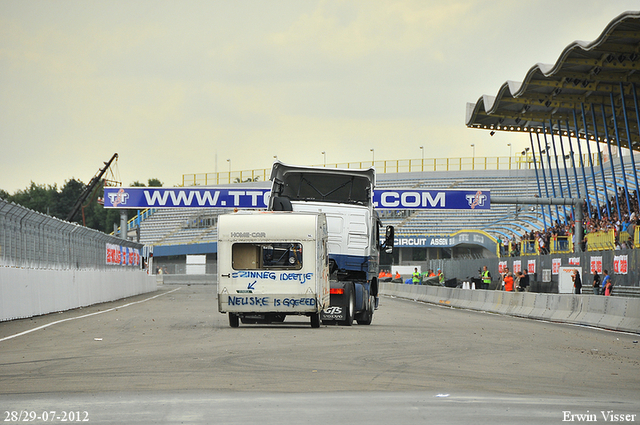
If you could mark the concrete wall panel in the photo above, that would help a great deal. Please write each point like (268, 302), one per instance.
(617, 313)
(31, 292)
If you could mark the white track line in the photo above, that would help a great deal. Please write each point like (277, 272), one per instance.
(85, 315)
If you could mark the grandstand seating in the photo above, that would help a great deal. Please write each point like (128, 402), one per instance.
(177, 226)
(518, 219)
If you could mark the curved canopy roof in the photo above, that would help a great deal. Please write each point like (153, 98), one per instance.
(587, 76)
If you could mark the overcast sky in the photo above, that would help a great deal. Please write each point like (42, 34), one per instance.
(172, 85)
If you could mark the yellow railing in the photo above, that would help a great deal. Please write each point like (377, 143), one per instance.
(631, 240)
(599, 241)
(561, 244)
(511, 249)
(131, 223)
(624, 238)
(529, 247)
(518, 162)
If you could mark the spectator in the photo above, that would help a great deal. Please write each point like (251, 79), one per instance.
(486, 278)
(516, 282)
(524, 281)
(415, 277)
(577, 282)
(596, 283)
(608, 287)
(605, 281)
(507, 280)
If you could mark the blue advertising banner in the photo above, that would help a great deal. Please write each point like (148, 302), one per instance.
(446, 241)
(179, 197)
(431, 199)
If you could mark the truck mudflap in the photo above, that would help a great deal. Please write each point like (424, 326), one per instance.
(333, 313)
(342, 305)
(348, 303)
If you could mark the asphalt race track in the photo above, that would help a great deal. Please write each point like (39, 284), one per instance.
(170, 357)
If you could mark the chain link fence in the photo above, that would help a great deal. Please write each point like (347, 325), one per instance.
(29, 239)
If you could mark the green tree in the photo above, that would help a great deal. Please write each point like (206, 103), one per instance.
(67, 198)
(36, 197)
(155, 183)
(47, 199)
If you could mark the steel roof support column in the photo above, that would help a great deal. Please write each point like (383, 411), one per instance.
(555, 153)
(573, 161)
(544, 176)
(553, 185)
(604, 183)
(564, 162)
(584, 176)
(593, 174)
(535, 166)
(624, 172)
(613, 171)
(577, 202)
(633, 161)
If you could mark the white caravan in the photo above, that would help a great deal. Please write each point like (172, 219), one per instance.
(272, 264)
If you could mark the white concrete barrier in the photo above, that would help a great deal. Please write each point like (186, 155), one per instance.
(593, 311)
(615, 310)
(32, 292)
(539, 306)
(631, 317)
(617, 313)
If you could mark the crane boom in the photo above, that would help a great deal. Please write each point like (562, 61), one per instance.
(89, 188)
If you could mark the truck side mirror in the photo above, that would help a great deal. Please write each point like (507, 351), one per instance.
(388, 239)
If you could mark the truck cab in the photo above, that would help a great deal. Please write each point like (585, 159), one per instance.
(345, 197)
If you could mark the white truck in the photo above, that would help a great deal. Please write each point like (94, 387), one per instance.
(272, 264)
(345, 197)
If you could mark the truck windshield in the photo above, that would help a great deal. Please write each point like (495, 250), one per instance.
(266, 256)
(327, 188)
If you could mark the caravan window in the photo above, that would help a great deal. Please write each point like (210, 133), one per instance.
(266, 256)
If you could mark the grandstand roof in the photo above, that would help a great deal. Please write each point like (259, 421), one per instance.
(587, 74)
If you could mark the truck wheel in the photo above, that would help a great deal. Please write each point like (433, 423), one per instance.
(367, 315)
(234, 321)
(315, 320)
(350, 308)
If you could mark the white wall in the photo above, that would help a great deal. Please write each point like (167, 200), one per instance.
(31, 292)
(196, 264)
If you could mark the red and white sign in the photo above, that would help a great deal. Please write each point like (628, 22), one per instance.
(531, 266)
(620, 264)
(517, 266)
(501, 266)
(596, 264)
(555, 265)
(122, 255)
